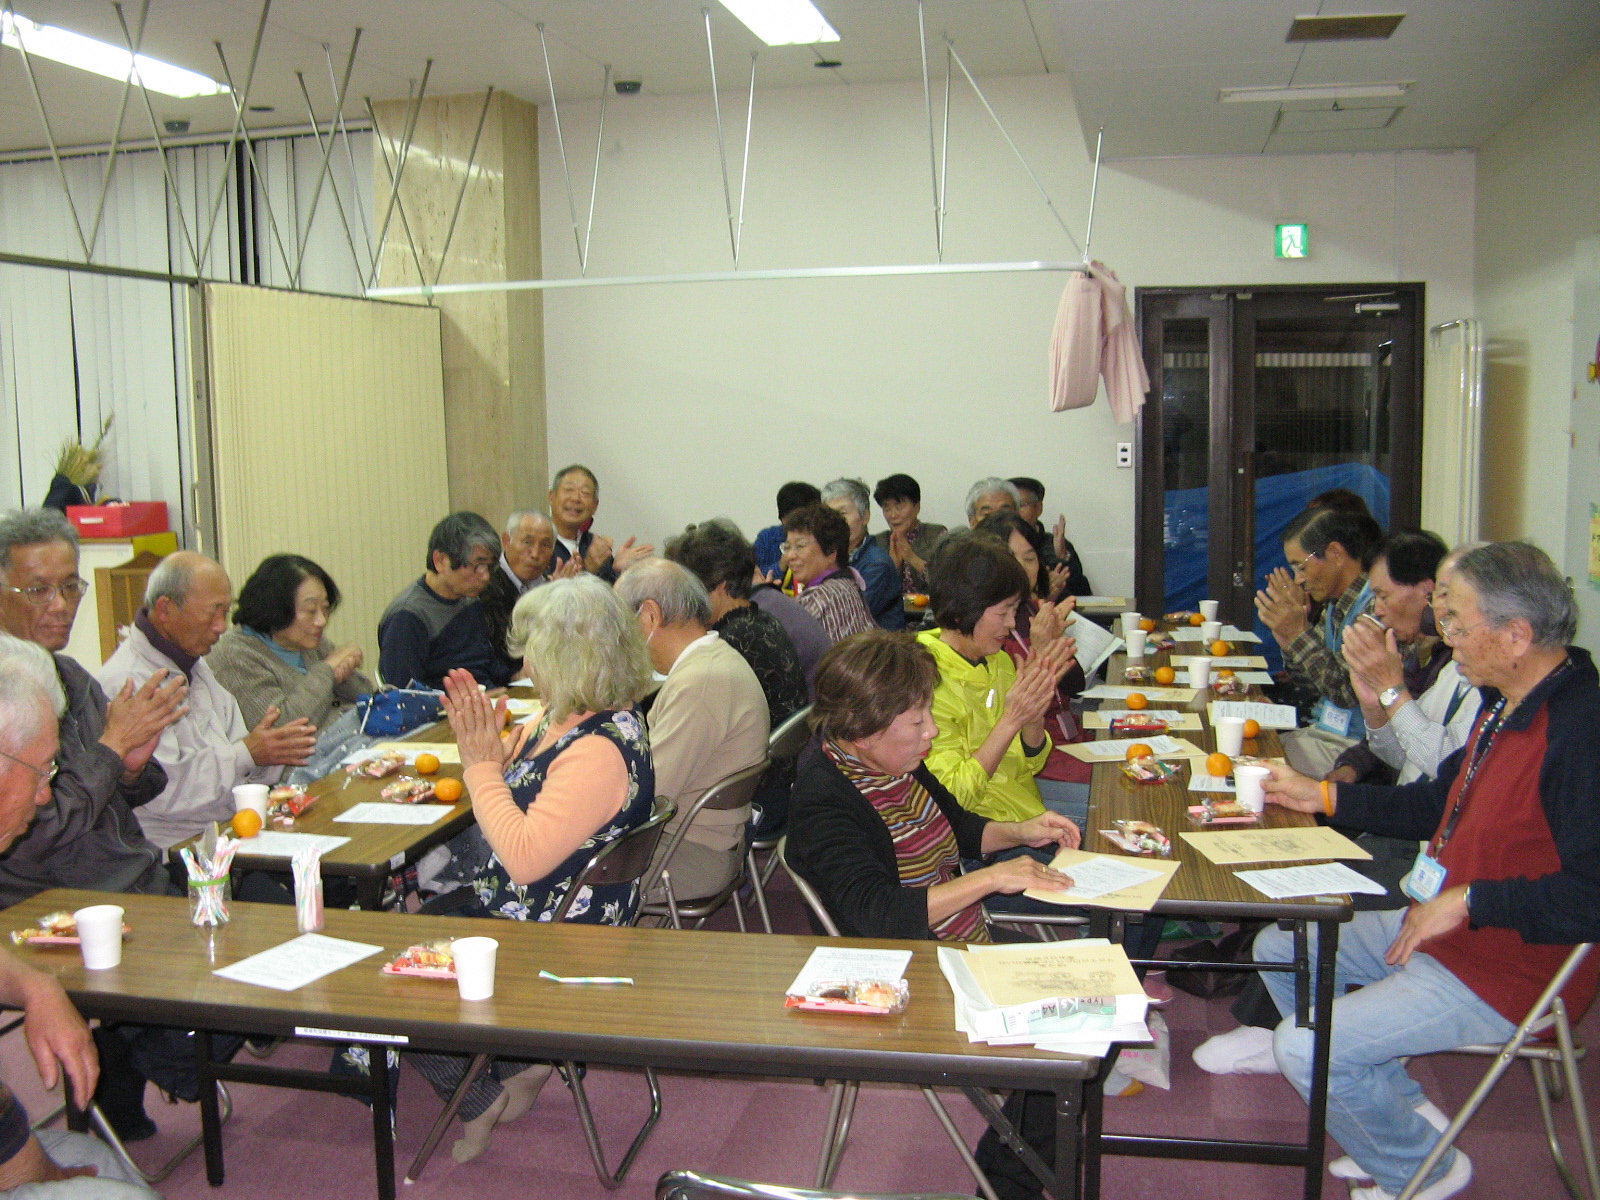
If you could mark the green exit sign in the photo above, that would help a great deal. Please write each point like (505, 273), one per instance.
(1293, 241)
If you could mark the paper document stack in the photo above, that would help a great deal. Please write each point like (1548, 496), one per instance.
(1069, 997)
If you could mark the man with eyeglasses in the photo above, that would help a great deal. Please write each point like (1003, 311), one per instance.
(438, 623)
(1507, 883)
(87, 835)
(1328, 551)
(30, 1164)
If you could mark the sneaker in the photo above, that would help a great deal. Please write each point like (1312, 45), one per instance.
(1450, 1183)
(1246, 1050)
(1347, 1168)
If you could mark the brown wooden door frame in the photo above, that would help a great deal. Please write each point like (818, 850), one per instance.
(1232, 313)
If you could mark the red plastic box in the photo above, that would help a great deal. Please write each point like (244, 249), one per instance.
(119, 520)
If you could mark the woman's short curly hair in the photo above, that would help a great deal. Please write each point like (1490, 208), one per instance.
(828, 527)
(867, 680)
(970, 573)
(582, 646)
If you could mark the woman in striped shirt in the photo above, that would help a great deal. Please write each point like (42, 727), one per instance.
(870, 828)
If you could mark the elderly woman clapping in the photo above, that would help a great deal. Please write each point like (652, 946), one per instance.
(873, 830)
(577, 779)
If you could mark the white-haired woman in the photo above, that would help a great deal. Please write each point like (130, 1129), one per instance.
(580, 778)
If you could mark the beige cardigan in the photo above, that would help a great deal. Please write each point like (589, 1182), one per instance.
(708, 721)
(258, 679)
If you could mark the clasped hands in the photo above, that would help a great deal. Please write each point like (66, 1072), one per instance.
(1283, 606)
(476, 719)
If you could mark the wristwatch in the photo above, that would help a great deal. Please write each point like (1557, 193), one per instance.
(1389, 695)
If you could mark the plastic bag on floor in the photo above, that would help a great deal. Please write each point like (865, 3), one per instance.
(1150, 1065)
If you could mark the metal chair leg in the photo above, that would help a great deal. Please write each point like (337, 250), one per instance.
(959, 1143)
(479, 1065)
(109, 1136)
(609, 1180)
(1580, 1107)
(840, 1113)
(829, 1132)
(758, 889)
(738, 910)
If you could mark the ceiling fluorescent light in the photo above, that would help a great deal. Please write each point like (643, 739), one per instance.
(783, 22)
(1335, 91)
(89, 54)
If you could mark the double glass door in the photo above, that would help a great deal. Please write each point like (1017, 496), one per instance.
(1262, 399)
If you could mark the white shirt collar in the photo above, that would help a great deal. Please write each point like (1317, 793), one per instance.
(704, 639)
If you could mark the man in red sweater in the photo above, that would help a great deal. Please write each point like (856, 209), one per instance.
(1509, 881)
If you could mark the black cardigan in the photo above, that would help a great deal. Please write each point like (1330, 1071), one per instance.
(839, 844)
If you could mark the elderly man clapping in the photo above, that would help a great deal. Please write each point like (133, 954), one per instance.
(210, 748)
(87, 835)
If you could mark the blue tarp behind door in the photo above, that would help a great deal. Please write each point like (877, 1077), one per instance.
(1279, 499)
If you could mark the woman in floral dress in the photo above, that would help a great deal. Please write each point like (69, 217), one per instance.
(548, 800)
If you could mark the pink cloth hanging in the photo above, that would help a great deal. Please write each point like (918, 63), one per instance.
(1094, 338)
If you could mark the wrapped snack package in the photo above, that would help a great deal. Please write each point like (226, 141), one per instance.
(54, 929)
(1231, 686)
(408, 790)
(1140, 837)
(1222, 812)
(1138, 726)
(429, 960)
(873, 997)
(1150, 770)
(1136, 673)
(379, 765)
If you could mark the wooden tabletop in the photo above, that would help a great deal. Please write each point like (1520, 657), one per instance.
(1200, 887)
(373, 850)
(701, 1001)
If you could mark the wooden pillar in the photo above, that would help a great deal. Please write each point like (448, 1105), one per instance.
(493, 341)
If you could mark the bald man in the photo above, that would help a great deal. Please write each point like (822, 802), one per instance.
(210, 749)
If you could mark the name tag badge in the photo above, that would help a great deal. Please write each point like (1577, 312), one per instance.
(1330, 718)
(1424, 880)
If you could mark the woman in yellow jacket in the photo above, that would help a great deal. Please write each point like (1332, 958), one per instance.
(992, 739)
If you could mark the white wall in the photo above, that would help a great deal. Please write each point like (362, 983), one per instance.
(696, 400)
(1538, 196)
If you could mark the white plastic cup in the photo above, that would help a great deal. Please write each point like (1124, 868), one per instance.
(100, 935)
(1199, 672)
(1230, 735)
(1210, 631)
(1135, 640)
(1208, 609)
(1248, 780)
(252, 796)
(475, 966)
(1130, 623)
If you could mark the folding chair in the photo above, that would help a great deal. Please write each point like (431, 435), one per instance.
(785, 745)
(691, 1185)
(624, 860)
(1548, 1013)
(733, 792)
(842, 1104)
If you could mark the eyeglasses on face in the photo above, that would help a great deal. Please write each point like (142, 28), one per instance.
(1453, 628)
(40, 594)
(45, 776)
(1298, 565)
